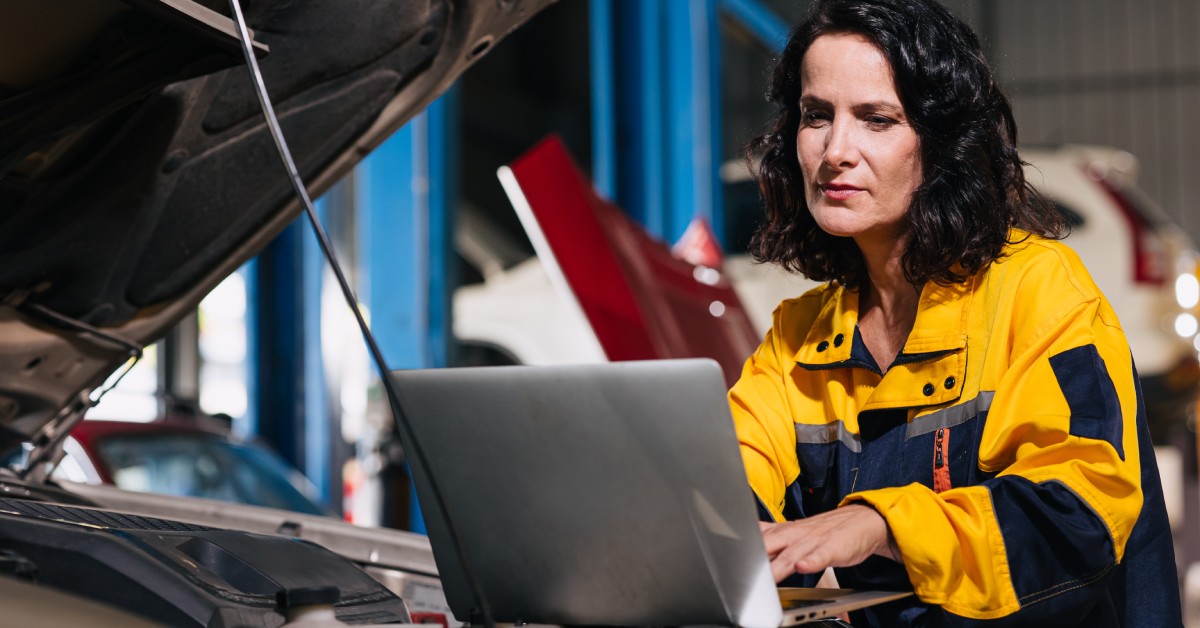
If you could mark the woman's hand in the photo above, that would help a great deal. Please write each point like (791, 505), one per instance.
(842, 537)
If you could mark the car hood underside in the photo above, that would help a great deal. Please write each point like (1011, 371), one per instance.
(136, 170)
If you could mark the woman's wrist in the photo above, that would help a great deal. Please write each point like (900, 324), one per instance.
(886, 547)
(890, 549)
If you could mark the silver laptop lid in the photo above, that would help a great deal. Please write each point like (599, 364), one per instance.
(595, 494)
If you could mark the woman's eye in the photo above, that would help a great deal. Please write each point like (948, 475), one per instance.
(812, 118)
(879, 121)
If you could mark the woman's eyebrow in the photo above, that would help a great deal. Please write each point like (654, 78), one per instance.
(879, 104)
(875, 105)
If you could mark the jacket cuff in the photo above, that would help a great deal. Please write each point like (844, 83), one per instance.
(951, 547)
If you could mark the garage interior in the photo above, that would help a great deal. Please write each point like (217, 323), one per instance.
(654, 99)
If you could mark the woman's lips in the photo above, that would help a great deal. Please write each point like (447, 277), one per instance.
(839, 192)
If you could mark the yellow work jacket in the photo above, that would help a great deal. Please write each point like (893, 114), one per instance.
(1001, 446)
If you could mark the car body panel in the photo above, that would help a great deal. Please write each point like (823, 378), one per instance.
(642, 302)
(561, 334)
(382, 547)
(26, 604)
(402, 561)
(187, 574)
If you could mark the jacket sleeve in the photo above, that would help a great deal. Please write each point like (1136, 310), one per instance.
(1035, 543)
(764, 424)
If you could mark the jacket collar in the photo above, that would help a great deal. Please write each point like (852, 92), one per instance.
(940, 327)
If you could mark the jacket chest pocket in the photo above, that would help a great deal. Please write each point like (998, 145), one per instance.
(816, 489)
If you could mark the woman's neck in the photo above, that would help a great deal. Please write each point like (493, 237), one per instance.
(887, 303)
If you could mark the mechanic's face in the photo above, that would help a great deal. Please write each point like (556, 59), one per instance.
(858, 153)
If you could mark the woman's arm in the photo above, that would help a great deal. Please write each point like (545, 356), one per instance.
(764, 423)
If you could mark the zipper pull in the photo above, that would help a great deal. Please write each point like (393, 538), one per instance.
(941, 466)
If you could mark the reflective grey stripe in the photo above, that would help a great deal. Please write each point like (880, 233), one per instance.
(949, 417)
(828, 433)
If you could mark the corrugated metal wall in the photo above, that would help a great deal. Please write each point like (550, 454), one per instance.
(1123, 73)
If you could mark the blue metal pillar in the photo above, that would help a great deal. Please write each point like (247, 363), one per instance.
(692, 120)
(276, 323)
(652, 208)
(604, 115)
(406, 232)
(639, 160)
(289, 401)
(664, 145)
(317, 420)
(250, 424)
(760, 20)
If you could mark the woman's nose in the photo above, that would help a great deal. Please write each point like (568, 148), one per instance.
(840, 149)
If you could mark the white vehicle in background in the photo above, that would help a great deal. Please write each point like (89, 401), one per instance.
(1142, 261)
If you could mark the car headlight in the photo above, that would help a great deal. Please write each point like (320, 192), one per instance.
(1186, 325)
(1187, 291)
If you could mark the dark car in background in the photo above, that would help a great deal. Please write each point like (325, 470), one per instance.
(186, 457)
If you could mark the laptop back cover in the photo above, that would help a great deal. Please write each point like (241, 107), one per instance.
(593, 494)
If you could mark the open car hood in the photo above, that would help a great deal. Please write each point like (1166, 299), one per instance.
(136, 171)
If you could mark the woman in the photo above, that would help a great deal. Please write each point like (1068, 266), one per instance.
(956, 411)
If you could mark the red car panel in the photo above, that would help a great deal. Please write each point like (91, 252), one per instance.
(641, 301)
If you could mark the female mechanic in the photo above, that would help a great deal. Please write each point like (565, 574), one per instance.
(956, 411)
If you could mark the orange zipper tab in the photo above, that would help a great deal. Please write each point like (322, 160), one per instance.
(941, 465)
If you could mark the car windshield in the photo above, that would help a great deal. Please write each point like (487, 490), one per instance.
(211, 468)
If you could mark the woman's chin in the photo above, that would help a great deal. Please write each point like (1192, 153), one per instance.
(840, 229)
(837, 221)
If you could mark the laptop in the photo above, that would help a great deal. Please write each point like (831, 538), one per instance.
(603, 494)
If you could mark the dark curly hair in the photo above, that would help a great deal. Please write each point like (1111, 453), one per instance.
(973, 189)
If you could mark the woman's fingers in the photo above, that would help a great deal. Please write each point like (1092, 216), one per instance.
(839, 538)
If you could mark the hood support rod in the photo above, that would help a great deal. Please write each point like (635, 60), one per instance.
(400, 423)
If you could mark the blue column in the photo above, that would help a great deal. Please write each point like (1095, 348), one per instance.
(276, 318)
(405, 233)
(692, 106)
(249, 424)
(603, 97)
(289, 401)
(442, 140)
(640, 162)
(760, 20)
(666, 132)
(403, 225)
(317, 417)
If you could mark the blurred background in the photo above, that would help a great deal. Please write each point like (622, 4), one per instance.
(654, 100)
